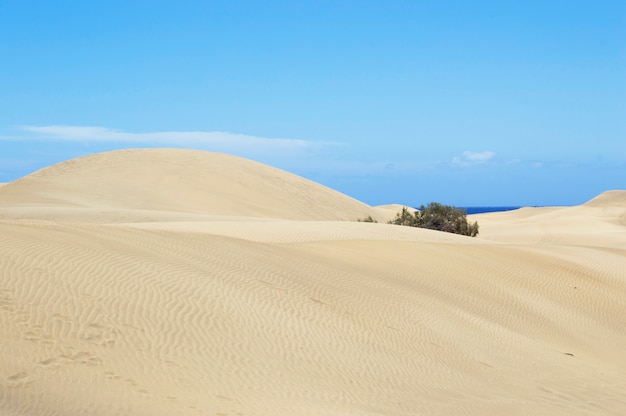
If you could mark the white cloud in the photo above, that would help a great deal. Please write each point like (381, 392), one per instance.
(469, 158)
(478, 156)
(218, 141)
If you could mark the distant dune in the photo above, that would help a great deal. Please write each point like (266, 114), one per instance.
(179, 282)
(600, 222)
(614, 199)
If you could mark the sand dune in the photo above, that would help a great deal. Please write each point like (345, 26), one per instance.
(158, 299)
(609, 199)
(600, 222)
(175, 181)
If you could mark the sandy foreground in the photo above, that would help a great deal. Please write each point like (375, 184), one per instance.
(179, 282)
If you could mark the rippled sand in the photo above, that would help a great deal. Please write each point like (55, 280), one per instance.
(178, 282)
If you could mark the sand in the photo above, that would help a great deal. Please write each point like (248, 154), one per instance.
(177, 282)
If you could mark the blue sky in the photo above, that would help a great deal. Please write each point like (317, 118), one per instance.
(461, 102)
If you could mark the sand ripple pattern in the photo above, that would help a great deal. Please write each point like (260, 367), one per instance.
(156, 321)
(176, 282)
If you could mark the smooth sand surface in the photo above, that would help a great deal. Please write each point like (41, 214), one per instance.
(600, 222)
(174, 181)
(171, 282)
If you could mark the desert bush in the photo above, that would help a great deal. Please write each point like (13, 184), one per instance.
(436, 216)
(366, 219)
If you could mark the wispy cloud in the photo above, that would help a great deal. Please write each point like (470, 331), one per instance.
(222, 141)
(469, 158)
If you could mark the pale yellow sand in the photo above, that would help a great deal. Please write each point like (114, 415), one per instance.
(600, 222)
(194, 285)
(174, 182)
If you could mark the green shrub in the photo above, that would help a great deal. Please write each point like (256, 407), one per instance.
(366, 219)
(436, 216)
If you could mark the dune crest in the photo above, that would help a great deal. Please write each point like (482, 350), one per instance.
(181, 181)
(601, 222)
(609, 199)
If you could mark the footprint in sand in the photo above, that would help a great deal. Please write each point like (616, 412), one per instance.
(49, 362)
(102, 335)
(20, 379)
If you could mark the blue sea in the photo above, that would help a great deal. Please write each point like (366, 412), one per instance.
(482, 210)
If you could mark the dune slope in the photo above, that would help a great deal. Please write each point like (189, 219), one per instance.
(192, 313)
(152, 182)
(600, 222)
(609, 199)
